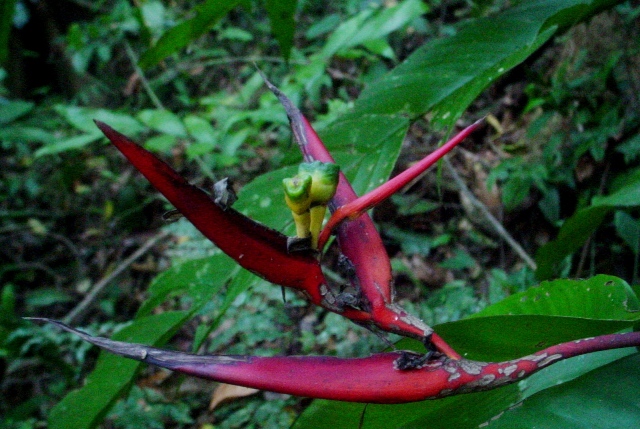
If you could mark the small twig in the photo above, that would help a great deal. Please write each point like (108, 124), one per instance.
(102, 283)
(487, 214)
(583, 256)
(145, 83)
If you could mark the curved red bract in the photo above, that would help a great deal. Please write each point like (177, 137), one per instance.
(255, 247)
(373, 379)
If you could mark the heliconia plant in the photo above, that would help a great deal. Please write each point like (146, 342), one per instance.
(296, 263)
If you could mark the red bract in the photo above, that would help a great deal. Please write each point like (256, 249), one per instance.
(373, 379)
(255, 247)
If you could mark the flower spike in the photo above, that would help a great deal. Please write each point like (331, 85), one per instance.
(362, 246)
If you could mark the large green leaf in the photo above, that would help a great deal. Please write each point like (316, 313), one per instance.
(445, 75)
(554, 312)
(86, 407)
(498, 338)
(605, 398)
(198, 278)
(600, 297)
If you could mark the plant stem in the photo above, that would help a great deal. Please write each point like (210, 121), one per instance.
(487, 214)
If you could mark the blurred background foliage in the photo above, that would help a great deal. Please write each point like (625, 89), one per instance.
(557, 165)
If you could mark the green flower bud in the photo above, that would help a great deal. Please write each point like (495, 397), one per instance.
(296, 195)
(324, 180)
(297, 192)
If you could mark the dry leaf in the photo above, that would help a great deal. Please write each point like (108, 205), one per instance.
(228, 392)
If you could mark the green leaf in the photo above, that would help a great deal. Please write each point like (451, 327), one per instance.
(610, 391)
(163, 121)
(411, 243)
(72, 143)
(579, 227)
(445, 75)
(370, 25)
(498, 338)
(46, 296)
(602, 297)
(12, 110)
(459, 261)
(161, 144)
(628, 229)
(282, 24)
(630, 148)
(574, 232)
(198, 278)
(366, 147)
(82, 119)
(178, 37)
(201, 129)
(25, 134)
(411, 204)
(627, 196)
(86, 407)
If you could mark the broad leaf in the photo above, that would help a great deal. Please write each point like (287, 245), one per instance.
(198, 278)
(605, 398)
(498, 338)
(14, 109)
(445, 75)
(162, 121)
(600, 297)
(366, 148)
